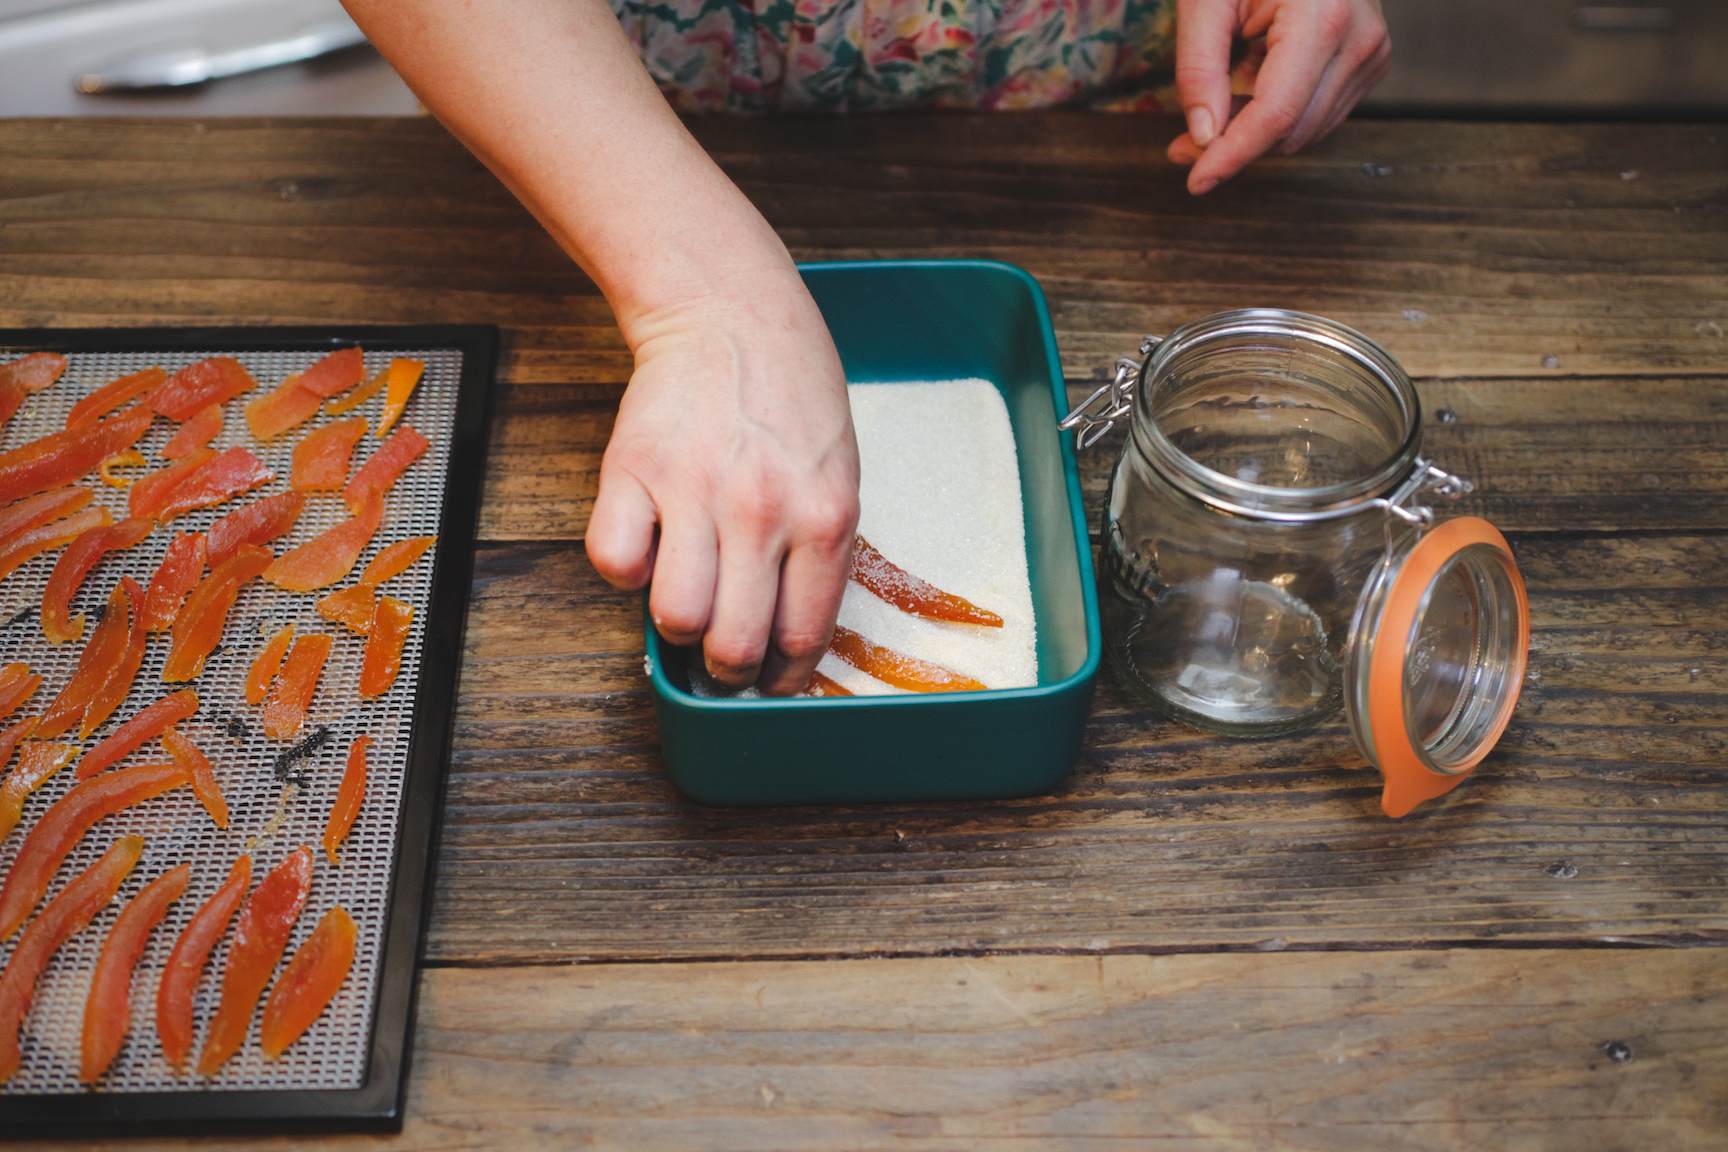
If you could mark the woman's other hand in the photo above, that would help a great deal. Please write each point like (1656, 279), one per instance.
(1322, 56)
(730, 486)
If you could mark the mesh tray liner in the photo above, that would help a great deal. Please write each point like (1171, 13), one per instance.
(333, 1053)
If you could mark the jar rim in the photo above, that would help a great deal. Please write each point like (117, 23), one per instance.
(1245, 497)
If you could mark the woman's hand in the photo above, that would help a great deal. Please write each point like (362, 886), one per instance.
(1322, 56)
(731, 483)
(730, 486)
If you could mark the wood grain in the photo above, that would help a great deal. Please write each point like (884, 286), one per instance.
(1599, 817)
(1334, 1052)
(1194, 943)
(1545, 454)
(1469, 249)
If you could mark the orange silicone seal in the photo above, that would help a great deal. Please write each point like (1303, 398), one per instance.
(1408, 781)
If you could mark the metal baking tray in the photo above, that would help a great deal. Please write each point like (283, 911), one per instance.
(349, 1071)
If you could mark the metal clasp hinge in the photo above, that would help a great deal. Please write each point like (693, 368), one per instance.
(1116, 397)
(1425, 480)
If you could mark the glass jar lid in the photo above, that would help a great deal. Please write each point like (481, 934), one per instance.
(1435, 659)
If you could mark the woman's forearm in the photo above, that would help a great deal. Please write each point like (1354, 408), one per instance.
(730, 483)
(550, 95)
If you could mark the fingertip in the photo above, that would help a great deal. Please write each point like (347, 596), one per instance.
(772, 679)
(620, 535)
(681, 597)
(1182, 150)
(783, 677)
(625, 570)
(677, 627)
(733, 668)
(812, 586)
(1204, 33)
(1202, 126)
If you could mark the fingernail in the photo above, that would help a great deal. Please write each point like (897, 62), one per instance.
(1201, 187)
(1200, 126)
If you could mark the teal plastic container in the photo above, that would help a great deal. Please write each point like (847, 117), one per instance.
(922, 320)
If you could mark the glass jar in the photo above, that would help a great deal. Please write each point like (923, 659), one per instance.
(1269, 554)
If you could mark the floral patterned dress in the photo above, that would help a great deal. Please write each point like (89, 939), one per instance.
(867, 55)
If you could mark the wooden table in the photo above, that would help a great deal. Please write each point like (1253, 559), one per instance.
(1194, 944)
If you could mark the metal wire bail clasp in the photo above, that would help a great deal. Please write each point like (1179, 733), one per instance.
(1425, 480)
(1116, 397)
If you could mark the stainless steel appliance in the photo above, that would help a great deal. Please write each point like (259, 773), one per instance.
(191, 57)
(1573, 57)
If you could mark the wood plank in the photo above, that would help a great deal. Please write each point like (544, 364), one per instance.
(543, 460)
(1600, 817)
(1469, 249)
(1545, 454)
(1337, 1052)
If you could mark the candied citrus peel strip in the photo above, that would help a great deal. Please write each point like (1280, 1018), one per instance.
(108, 1006)
(185, 967)
(267, 663)
(350, 607)
(28, 513)
(76, 563)
(17, 685)
(101, 655)
(147, 724)
(385, 466)
(26, 546)
(65, 823)
(37, 764)
(349, 797)
(260, 935)
(395, 559)
(374, 385)
(385, 640)
(404, 377)
(200, 429)
(11, 737)
(198, 628)
(311, 979)
(821, 685)
(197, 765)
(25, 376)
(321, 459)
(290, 695)
(67, 915)
(895, 668)
(197, 386)
(182, 566)
(283, 410)
(131, 458)
(116, 394)
(258, 523)
(334, 373)
(62, 457)
(329, 556)
(119, 680)
(892, 583)
(216, 481)
(151, 491)
(33, 371)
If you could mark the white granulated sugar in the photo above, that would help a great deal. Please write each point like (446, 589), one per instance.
(940, 497)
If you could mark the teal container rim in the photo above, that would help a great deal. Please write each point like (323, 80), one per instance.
(1076, 512)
